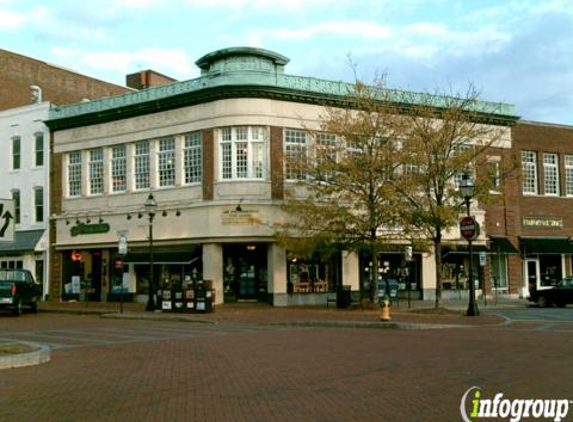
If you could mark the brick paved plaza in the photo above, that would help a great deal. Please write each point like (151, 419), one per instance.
(245, 369)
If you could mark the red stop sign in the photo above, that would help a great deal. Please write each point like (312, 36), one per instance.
(469, 228)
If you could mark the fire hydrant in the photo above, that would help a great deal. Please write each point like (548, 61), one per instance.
(385, 305)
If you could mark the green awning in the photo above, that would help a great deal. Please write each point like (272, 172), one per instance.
(160, 258)
(501, 245)
(545, 245)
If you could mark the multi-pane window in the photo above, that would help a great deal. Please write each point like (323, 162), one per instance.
(296, 144)
(95, 166)
(529, 171)
(325, 154)
(551, 173)
(16, 153)
(141, 165)
(75, 173)
(39, 204)
(118, 168)
(39, 149)
(494, 175)
(192, 158)
(166, 162)
(242, 152)
(569, 175)
(16, 200)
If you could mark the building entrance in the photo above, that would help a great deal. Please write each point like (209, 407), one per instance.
(245, 272)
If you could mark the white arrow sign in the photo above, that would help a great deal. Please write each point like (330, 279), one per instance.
(7, 220)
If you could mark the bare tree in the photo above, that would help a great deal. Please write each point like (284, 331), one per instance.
(384, 167)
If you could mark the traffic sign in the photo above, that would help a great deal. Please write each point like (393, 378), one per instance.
(469, 228)
(7, 220)
(122, 245)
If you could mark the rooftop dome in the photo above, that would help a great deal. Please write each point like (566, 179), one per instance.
(241, 59)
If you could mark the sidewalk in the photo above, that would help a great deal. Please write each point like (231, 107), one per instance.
(420, 312)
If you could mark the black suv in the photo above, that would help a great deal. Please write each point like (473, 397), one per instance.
(559, 295)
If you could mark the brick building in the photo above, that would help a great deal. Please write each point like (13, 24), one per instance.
(539, 217)
(28, 89)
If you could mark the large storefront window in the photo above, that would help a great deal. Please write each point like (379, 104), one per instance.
(393, 265)
(245, 272)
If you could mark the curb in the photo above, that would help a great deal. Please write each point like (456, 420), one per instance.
(368, 324)
(40, 354)
(159, 317)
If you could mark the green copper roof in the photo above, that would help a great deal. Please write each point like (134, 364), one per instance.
(233, 72)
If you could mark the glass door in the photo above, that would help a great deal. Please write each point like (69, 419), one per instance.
(531, 275)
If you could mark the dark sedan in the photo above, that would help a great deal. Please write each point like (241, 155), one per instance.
(559, 295)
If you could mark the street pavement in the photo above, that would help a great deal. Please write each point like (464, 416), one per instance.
(258, 363)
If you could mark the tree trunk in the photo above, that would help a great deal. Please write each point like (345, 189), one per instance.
(438, 261)
(374, 277)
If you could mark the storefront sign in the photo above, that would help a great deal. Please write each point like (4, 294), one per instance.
(241, 218)
(96, 228)
(542, 222)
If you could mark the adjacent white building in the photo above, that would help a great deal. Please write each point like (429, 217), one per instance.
(24, 172)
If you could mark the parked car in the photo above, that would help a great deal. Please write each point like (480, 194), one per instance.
(18, 289)
(559, 295)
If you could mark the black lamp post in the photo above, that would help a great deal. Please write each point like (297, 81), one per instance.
(150, 207)
(467, 190)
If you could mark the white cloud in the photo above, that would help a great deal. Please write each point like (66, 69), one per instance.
(11, 20)
(174, 63)
(365, 30)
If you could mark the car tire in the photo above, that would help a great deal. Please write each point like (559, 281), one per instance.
(17, 311)
(542, 302)
(34, 307)
(560, 304)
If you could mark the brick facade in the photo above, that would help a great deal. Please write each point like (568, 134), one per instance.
(59, 86)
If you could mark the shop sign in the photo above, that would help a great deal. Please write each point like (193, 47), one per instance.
(542, 222)
(96, 228)
(240, 218)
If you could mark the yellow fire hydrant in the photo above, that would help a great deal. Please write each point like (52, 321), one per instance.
(385, 305)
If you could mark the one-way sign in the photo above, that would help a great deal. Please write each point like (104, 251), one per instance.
(6, 220)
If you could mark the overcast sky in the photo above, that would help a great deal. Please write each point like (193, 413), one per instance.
(519, 51)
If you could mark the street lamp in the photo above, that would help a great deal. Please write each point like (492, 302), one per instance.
(467, 190)
(150, 207)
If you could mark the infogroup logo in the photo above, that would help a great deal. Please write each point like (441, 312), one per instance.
(513, 409)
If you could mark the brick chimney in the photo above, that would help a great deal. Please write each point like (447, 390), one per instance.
(147, 79)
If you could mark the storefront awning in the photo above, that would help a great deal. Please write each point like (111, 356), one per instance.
(160, 258)
(502, 245)
(24, 241)
(545, 245)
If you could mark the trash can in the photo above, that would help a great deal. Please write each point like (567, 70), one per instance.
(343, 297)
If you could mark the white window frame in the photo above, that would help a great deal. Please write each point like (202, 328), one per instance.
(95, 168)
(166, 162)
(17, 198)
(568, 175)
(296, 144)
(551, 174)
(142, 165)
(118, 168)
(242, 153)
(529, 184)
(494, 173)
(75, 176)
(192, 158)
(16, 153)
(39, 140)
(39, 207)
